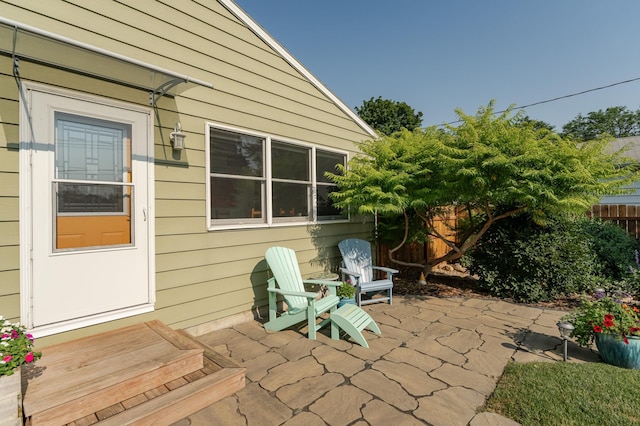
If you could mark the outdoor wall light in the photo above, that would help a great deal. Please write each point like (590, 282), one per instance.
(177, 137)
(565, 332)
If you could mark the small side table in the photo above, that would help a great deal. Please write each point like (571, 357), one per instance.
(327, 276)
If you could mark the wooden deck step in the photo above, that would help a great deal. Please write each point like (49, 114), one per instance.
(177, 404)
(108, 374)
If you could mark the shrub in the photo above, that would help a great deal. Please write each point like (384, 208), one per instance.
(613, 246)
(527, 262)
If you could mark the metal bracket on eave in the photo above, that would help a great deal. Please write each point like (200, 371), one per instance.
(163, 89)
(51, 49)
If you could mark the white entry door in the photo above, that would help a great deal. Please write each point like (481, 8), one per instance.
(90, 227)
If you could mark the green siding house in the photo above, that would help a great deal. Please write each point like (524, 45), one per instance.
(150, 152)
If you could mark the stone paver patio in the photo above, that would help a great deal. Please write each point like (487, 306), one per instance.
(436, 363)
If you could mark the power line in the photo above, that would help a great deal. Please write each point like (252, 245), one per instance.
(559, 97)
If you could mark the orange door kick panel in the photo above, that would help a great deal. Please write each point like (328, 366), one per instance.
(92, 231)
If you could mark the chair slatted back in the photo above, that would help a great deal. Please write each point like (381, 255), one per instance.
(284, 266)
(356, 254)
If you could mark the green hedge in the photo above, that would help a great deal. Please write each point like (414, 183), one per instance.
(526, 262)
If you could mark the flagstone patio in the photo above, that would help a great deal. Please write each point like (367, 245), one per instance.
(436, 362)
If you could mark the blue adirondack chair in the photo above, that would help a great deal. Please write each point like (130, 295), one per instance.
(302, 305)
(357, 263)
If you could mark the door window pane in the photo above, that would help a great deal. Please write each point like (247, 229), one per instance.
(90, 215)
(87, 198)
(90, 149)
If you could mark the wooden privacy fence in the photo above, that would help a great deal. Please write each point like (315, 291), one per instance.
(625, 216)
(419, 253)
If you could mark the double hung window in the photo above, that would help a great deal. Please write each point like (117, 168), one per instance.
(257, 180)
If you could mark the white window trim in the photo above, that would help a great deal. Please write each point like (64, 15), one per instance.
(267, 203)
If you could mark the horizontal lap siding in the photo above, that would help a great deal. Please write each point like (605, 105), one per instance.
(200, 275)
(9, 212)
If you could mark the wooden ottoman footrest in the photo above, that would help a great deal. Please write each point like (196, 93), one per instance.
(353, 319)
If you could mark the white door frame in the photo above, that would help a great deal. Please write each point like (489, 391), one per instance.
(26, 214)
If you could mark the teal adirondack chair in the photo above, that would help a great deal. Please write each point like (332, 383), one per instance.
(302, 304)
(357, 263)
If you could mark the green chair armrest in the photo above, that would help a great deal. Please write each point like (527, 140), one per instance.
(307, 294)
(324, 282)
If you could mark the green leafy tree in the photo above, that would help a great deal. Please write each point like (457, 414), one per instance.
(388, 117)
(618, 122)
(536, 124)
(490, 167)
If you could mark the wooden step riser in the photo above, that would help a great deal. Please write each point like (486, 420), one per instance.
(146, 377)
(180, 403)
(168, 373)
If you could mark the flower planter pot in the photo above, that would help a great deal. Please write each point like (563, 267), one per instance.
(344, 301)
(11, 399)
(615, 352)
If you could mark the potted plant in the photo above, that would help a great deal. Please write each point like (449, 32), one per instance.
(16, 349)
(346, 292)
(613, 322)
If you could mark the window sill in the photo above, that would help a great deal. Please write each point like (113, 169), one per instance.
(229, 227)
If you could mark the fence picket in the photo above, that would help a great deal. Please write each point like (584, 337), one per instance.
(625, 216)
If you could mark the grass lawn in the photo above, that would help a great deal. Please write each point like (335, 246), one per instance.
(561, 393)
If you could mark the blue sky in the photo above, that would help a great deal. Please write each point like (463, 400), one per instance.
(441, 55)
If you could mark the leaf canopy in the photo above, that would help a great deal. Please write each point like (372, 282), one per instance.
(494, 165)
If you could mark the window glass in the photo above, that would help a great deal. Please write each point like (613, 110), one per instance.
(89, 214)
(240, 180)
(290, 162)
(291, 200)
(90, 149)
(236, 198)
(236, 154)
(86, 198)
(325, 204)
(326, 162)
(237, 176)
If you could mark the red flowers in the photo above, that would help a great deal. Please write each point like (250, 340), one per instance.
(605, 315)
(608, 321)
(29, 357)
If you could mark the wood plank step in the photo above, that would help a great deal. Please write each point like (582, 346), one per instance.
(183, 340)
(177, 404)
(115, 368)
